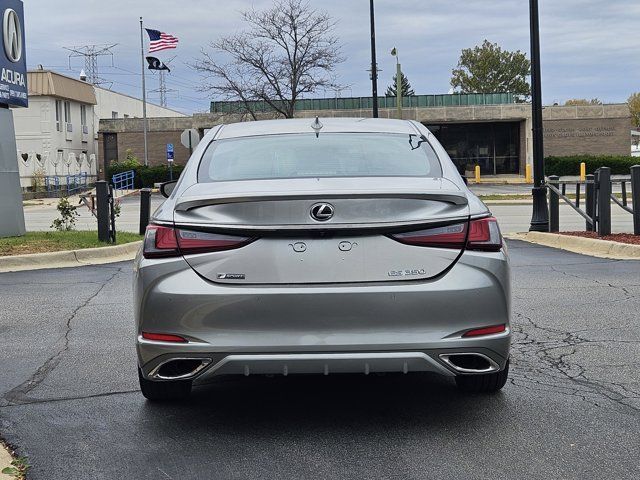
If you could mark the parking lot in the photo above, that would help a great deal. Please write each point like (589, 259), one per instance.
(69, 397)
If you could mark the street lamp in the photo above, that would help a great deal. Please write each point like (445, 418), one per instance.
(394, 53)
(540, 214)
(374, 65)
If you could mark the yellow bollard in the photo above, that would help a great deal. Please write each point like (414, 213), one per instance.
(583, 171)
(527, 174)
(477, 173)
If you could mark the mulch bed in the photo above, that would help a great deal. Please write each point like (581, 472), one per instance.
(614, 237)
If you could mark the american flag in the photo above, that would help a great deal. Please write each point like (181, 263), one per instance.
(160, 41)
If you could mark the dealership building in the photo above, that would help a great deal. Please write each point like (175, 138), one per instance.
(489, 130)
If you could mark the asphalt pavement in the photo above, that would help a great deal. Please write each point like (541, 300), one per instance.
(69, 398)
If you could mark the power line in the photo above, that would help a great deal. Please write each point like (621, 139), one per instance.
(90, 53)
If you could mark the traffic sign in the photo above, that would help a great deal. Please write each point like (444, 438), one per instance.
(169, 152)
(190, 138)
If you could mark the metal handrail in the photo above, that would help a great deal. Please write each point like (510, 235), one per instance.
(575, 206)
(598, 199)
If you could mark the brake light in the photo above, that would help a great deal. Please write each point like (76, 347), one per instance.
(163, 337)
(484, 234)
(161, 241)
(485, 331)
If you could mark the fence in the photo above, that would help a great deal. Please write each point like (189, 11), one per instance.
(124, 180)
(76, 183)
(72, 183)
(597, 200)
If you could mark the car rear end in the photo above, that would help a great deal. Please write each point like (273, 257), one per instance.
(357, 250)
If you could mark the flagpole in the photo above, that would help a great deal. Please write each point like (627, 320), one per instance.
(144, 96)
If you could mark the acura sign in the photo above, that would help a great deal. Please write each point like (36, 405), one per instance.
(13, 77)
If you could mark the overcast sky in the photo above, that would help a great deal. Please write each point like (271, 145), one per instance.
(589, 47)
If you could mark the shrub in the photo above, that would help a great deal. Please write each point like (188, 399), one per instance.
(145, 177)
(158, 174)
(561, 166)
(37, 180)
(68, 214)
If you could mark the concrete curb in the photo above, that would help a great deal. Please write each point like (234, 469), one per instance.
(5, 461)
(70, 258)
(585, 246)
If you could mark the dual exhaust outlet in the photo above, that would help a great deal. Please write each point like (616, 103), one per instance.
(185, 368)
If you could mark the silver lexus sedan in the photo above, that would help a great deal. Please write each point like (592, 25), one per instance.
(321, 247)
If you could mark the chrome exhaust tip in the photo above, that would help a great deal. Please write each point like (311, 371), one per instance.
(179, 368)
(469, 362)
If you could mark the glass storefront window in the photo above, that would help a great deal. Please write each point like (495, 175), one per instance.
(494, 146)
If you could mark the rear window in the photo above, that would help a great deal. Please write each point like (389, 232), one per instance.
(329, 155)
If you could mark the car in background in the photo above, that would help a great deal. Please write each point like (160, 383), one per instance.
(321, 247)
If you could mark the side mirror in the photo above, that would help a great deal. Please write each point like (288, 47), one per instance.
(166, 188)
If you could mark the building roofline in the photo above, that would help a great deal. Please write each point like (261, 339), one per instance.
(53, 72)
(139, 99)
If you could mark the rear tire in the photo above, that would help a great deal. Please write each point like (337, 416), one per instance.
(486, 383)
(164, 391)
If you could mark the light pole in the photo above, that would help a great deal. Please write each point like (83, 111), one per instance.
(394, 52)
(540, 214)
(374, 65)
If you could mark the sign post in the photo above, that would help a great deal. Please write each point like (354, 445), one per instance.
(170, 160)
(190, 138)
(13, 92)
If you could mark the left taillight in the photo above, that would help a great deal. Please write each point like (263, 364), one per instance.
(484, 234)
(161, 241)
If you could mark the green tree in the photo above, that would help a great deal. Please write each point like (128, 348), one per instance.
(572, 102)
(487, 68)
(407, 91)
(634, 108)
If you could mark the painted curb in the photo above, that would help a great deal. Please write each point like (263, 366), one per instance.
(585, 246)
(70, 258)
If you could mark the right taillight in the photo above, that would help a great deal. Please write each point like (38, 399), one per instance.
(161, 241)
(483, 234)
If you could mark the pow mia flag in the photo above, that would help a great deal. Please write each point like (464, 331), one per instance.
(156, 64)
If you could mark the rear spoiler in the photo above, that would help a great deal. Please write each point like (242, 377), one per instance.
(190, 203)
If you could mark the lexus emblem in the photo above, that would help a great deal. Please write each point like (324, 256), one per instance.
(12, 33)
(322, 212)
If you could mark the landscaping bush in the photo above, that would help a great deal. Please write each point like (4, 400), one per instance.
(562, 166)
(145, 177)
(148, 176)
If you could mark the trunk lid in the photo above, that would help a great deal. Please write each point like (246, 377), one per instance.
(294, 248)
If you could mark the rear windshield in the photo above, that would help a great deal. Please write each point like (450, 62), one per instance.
(329, 155)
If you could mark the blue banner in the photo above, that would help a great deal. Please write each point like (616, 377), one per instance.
(13, 64)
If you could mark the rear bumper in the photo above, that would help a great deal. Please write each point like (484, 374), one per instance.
(387, 327)
(215, 364)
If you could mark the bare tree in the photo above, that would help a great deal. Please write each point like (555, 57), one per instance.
(286, 52)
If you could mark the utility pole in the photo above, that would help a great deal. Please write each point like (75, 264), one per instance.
(394, 52)
(162, 85)
(374, 65)
(144, 97)
(540, 214)
(90, 53)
